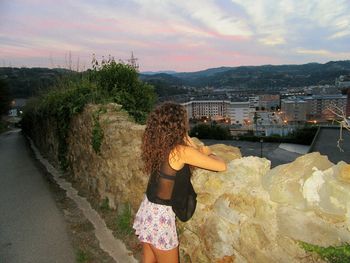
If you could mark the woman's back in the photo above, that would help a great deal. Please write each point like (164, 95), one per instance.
(161, 183)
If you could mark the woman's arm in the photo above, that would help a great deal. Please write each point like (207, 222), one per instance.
(203, 149)
(196, 158)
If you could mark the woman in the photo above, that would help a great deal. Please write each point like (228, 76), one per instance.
(167, 151)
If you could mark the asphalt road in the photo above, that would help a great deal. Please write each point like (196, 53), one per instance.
(32, 228)
(268, 150)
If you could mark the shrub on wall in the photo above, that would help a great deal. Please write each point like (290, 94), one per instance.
(110, 82)
(4, 97)
(120, 83)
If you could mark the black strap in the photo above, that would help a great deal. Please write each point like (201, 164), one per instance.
(165, 176)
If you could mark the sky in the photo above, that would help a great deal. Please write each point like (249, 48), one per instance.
(181, 35)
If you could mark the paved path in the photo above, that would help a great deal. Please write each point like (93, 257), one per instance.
(32, 229)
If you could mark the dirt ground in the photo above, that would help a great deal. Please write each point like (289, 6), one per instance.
(110, 217)
(80, 230)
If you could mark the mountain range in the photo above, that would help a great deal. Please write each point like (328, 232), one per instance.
(25, 82)
(255, 77)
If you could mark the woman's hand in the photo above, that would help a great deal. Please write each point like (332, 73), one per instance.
(203, 149)
(190, 142)
(216, 157)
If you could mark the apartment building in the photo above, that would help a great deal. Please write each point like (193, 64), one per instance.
(253, 101)
(312, 108)
(269, 101)
(237, 112)
(294, 110)
(264, 101)
(240, 112)
(320, 105)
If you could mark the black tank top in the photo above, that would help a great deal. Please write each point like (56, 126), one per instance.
(170, 186)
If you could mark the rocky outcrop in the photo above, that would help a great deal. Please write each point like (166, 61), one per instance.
(253, 214)
(250, 213)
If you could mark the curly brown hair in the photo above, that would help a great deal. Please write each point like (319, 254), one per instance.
(166, 127)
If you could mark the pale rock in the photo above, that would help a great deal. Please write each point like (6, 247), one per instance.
(344, 173)
(312, 186)
(223, 209)
(334, 195)
(248, 170)
(218, 237)
(285, 182)
(306, 226)
(254, 244)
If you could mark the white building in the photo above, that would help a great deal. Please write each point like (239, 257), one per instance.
(13, 113)
(240, 112)
(295, 110)
(237, 112)
(207, 108)
(253, 101)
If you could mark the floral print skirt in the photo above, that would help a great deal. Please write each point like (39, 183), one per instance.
(155, 224)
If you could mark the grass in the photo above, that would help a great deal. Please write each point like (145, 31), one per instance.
(337, 254)
(97, 136)
(82, 256)
(123, 221)
(105, 204)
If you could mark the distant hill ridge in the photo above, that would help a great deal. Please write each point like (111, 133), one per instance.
(266, 76)
(25, 82)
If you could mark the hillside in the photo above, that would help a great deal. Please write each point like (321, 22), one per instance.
(267, 76)
(26, 82)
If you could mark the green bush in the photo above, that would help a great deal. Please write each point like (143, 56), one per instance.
(97, 136)
(97, 132)
(110, 82)
(124, 221)
(82, 256)
(338, 254)
(4, 97)
(105, 204)
(211, 131)
(120, 83)
(304, 135)
(60, 104)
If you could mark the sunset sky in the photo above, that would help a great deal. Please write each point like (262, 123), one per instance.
(181, 35)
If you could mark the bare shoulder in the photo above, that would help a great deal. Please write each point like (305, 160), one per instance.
(177, 156)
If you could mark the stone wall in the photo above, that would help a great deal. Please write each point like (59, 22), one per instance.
(250, 213)
(114, 173)
(45, 137)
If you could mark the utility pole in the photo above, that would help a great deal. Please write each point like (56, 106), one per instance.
(256, 117)
(133, 62)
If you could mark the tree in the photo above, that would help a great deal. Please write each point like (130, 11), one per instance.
(4, 97)
(340, 117)
(213, 131)
(120, 81)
